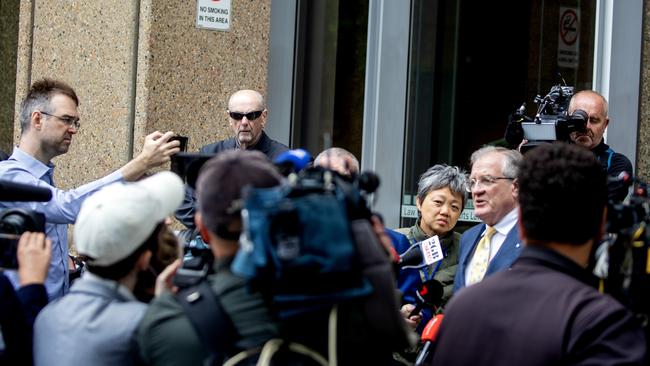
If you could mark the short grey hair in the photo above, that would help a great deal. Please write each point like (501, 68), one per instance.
(443, 176)
(511, 162)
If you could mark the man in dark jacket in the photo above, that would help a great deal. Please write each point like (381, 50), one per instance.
(247, 114)
(614, 163)
(546, 310)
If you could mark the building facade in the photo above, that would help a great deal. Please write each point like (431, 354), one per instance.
(402, 84)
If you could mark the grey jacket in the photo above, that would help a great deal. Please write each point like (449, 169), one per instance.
(92, 325)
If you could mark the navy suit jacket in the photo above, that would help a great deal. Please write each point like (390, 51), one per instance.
(504, 258)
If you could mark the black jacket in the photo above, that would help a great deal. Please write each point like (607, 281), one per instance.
(614, 163)
(544, 311)
(18, 310)
(270, 148)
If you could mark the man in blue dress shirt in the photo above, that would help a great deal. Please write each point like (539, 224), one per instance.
(49, 120)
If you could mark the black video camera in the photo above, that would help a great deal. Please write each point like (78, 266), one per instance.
(15, 221)
(551, 123)
(622, 259)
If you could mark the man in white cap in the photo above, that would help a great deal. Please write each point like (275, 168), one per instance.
(117, 230)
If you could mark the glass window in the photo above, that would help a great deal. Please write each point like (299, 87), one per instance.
(473, 63)
(330, 76)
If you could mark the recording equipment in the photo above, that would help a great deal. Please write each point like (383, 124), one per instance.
(429, 337)
(551, 122)
(429, 295)
(14, 222)
(292, 161)
(187, 166)
(622, 260)
(17, 192)
(182, 140)
(422, 254)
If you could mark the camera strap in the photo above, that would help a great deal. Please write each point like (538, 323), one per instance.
(210, 321)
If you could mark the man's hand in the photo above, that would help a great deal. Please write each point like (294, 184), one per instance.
(156, 151)
(413, 321)
(34, 254)
(165, 278)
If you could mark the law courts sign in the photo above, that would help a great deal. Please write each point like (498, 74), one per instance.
(213, 14)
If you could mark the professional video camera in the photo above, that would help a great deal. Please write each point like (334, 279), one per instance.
(622, 261)
(551, 122)
(15, 221)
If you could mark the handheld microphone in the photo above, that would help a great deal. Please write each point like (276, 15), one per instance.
(428, 295)
(10, 191)
(422, 254)
(429, 336)
(412, 257)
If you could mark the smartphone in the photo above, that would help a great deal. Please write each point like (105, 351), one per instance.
(183, 140)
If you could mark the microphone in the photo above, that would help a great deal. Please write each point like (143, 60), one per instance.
(292, 161)
(429, 336)
(428, 295)
(422, 254)
(10, 191)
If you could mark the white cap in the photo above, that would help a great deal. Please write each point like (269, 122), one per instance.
(116, 220)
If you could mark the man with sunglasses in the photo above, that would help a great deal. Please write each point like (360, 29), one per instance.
(247, 118)
(49, 120)
(493, 245)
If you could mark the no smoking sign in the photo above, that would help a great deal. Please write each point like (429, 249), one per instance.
(569, 26)
(568, 38)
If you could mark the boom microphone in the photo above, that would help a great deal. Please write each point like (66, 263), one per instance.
(10, 191)
(429, 336)
(428, 295)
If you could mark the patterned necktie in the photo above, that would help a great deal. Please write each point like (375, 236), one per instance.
(481, 257)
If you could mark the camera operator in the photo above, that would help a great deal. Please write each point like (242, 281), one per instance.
(48, 120)
(18, 309)
(166, 334)
(614, 163)
(546, 309)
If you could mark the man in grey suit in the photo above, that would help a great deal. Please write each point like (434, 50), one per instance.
(117, 230)
(493, 245)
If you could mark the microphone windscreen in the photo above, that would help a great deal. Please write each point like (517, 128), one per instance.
(299, 158)
(10, 191)
(431, 292)
(412, 256)
(430, 331)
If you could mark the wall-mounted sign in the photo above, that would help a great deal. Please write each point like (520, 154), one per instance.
(568, 41)
(213, 14)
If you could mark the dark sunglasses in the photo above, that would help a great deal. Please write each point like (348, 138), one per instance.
(249, 116)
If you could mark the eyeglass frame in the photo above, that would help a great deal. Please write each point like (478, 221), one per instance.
(241, 116)
(69, 121)
(485, 181)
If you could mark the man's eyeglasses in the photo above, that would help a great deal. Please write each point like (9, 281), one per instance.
(484, 181)
(70, 121)
(249, 116)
